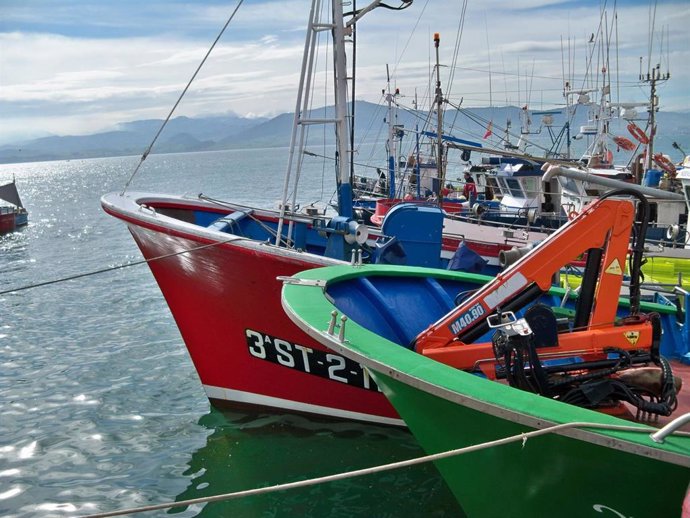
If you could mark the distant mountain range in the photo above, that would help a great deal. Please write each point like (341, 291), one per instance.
(184, 134)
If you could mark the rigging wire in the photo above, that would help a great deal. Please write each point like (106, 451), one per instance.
(179, 99)
(456, 54)
(456, 47)
(588, 62)
(364, 136)
(483, 122)
(650, 43)
(409, 39)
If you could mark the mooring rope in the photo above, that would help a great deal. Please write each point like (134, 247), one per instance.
(376, 469)
(120, 266)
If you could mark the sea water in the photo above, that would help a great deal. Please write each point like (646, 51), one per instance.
(100, 406)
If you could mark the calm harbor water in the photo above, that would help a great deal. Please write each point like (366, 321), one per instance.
(100, 407)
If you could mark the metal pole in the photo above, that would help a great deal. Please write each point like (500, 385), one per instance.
(308, 44)
(341, 124)
(392, 152)
(440, 173)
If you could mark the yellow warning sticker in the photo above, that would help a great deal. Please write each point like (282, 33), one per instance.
(632, 337)
(614, 268)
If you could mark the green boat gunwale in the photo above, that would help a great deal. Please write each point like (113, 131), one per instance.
(530, 410)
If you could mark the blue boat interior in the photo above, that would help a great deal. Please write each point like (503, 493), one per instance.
(399, 308)
(412, 236)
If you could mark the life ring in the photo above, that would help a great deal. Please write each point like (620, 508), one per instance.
(572, 215)
(665, 164)
(637, 132)
(624, 143)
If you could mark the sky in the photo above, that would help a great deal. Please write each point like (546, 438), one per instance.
(75, 67)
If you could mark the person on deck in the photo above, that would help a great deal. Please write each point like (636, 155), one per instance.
(446, 190)
(470, 188)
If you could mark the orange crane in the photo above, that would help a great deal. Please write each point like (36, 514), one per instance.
(598, 361)
(603, 232)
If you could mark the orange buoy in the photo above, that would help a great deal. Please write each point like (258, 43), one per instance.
(624, 143)
(665, 164)
(637, 132)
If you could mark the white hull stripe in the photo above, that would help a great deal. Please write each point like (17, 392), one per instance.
(257, 399)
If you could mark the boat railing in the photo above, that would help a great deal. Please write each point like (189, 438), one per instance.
(660, 435)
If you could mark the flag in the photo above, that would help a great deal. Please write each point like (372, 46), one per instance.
(488, 130)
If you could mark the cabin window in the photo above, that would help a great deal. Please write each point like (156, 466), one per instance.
(531, 187)
(492, 183)
(514, 187)
(502, 186)
(569, 185)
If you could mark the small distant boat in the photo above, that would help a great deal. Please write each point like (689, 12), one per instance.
(12, 211)
(553, 388)
(7, 220)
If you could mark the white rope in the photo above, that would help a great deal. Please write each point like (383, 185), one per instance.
(165, 122)
(522, 437)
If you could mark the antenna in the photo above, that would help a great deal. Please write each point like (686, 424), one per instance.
(488, 55)
(618, 82)
(653, 78)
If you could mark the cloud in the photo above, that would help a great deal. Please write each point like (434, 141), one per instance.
(85, 63)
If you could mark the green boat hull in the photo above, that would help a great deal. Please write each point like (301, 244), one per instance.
(549, 475)
(608, 468)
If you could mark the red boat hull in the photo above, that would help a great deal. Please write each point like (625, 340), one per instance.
(225, 299)
(226, 302)
(7, 222)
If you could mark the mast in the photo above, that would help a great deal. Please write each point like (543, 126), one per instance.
(653, 77)
(302, 118)
(392, 148)
(418, 176)
(341, 116)
(439, 128)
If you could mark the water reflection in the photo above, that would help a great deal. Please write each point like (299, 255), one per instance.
(100, 401)
(246, 451)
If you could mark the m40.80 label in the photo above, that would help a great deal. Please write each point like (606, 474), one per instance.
(467, 318)
(311, 361)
